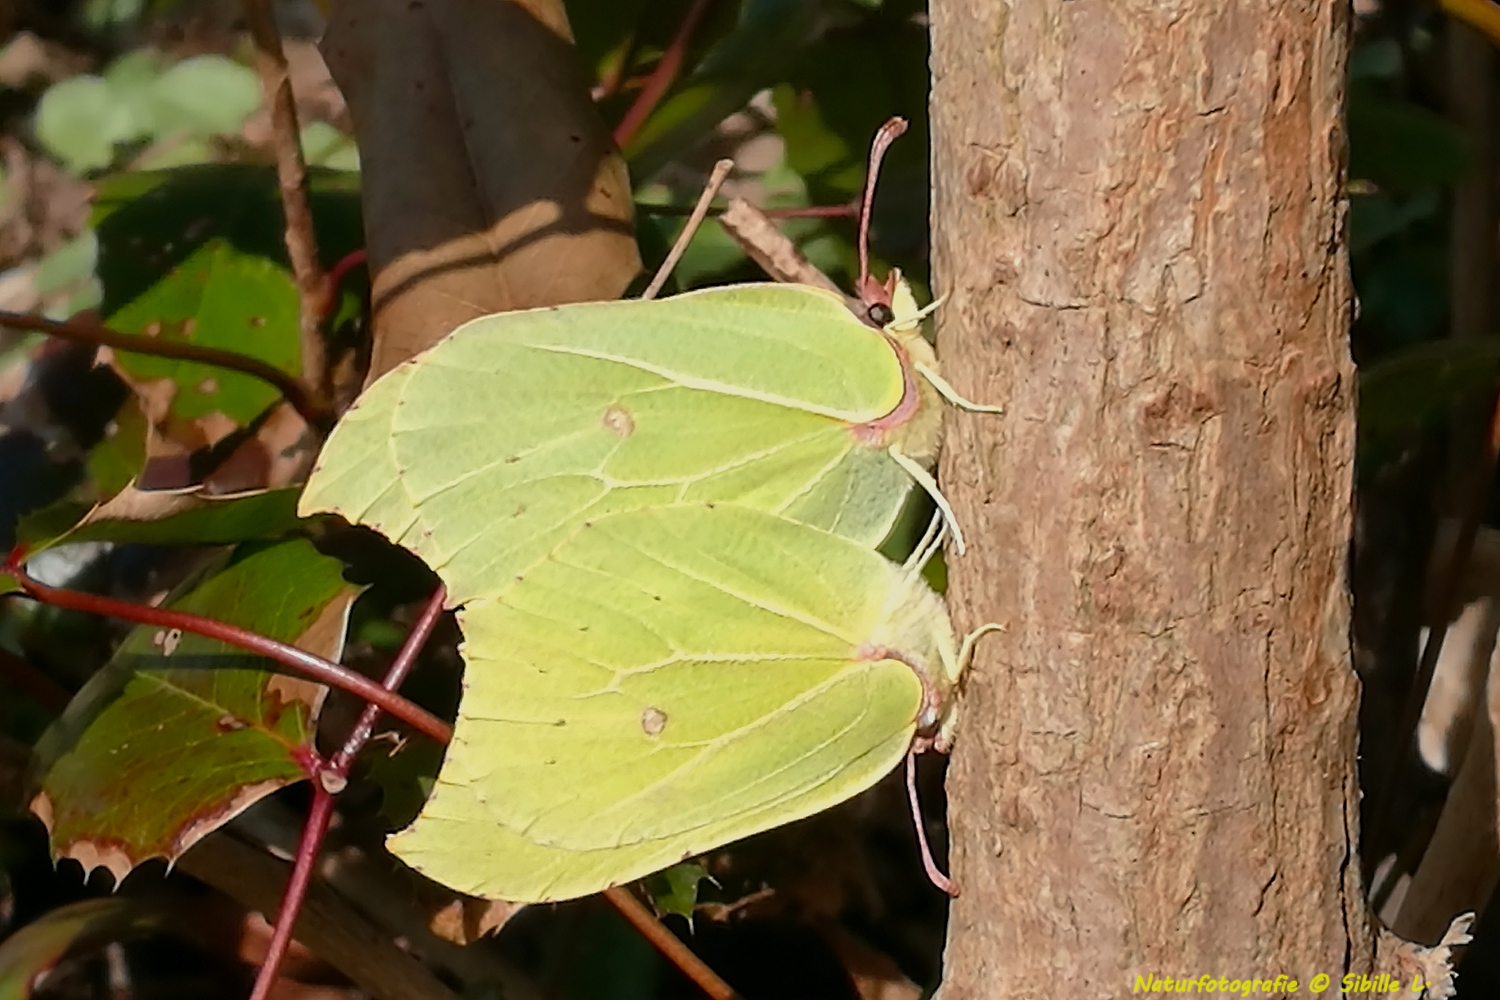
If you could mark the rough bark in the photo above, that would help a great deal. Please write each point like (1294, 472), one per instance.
(1138, 222)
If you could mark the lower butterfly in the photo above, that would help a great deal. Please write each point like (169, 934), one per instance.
(670, 679)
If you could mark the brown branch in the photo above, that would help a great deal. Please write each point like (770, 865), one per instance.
(309, 405)
(715, 181)
(291, 172)
(669, 944)
(772, 249)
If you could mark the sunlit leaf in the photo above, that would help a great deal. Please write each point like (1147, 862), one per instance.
(165, 517)
(221, 298)
(179, 734)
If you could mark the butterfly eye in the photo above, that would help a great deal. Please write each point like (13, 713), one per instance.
(880, 314)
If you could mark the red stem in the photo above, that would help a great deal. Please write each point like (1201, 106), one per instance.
(661, 77)
(405, 659)
(329, 779)
(336, 276)
(669, 944)
(308, 847)
(298, 660)
(849, 211)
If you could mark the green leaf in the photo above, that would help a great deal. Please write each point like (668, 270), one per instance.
(326, 146)
(1402, 147)
(179, 734)
(1424, 381)
(218, 298)
(603, 29)
(676, 889)
(166, 517)
(71, 262)
(152, 222)
(405, 775)
(1374, 218)
(31, 952)
(1379, 58)
(205, 96)
(1403, 292)
(120, 455)
(79, 121)
(758, 53)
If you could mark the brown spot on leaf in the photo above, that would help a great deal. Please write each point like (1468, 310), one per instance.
(619, 420)
(257, 321)
(653, 721)
(208, 386)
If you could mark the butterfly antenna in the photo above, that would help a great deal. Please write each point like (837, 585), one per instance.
(700, 211)
(927, 546)
(940, 880)
(929, 485)
(888, 134)
(952, 395)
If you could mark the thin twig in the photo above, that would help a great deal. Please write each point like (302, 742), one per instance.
(669, 944)
(715, 181)
(772, 249)
(331, 778)
(661, 77)
(314, 829)
(406, 658)
(298, 660)
(291, 173)
(90, 331)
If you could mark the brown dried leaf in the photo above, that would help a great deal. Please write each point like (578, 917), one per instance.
(464, 920)
(489, 182)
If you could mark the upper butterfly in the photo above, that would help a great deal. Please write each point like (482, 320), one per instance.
(480, 454)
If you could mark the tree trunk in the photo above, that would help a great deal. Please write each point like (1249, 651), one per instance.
(1138, 222)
